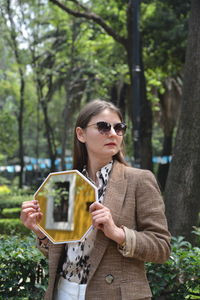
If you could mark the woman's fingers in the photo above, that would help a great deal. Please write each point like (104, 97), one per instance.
(98, 208)
(102, 219)
(34, 217)
(30, 214)
(28, 211)
(39, 218)
(95, 206)
(32, 220)
(101, 216)
(33, 203)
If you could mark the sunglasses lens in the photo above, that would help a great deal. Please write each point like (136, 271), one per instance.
(120, 128)
(103, 127)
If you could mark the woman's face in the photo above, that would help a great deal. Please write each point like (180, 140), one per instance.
(100, 146)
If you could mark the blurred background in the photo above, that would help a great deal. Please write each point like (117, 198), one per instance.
(144, 56)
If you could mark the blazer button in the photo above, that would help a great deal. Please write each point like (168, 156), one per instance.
(109, 278)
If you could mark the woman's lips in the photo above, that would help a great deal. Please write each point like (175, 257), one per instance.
(111, 144)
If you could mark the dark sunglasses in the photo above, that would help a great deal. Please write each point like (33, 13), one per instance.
(105, 127)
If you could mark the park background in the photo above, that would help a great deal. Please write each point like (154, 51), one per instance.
(58, 55)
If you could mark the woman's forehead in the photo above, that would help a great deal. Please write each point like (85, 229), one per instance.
(106, 115)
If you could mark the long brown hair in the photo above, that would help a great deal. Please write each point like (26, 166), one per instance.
(93, 108)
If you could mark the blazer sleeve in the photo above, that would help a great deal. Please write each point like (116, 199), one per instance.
(151, 241)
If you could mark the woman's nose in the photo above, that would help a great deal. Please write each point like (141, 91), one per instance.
(112, 131)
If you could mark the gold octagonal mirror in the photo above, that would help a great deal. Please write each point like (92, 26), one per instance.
(64, 199)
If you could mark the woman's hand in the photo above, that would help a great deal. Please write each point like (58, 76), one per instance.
(31, 215)
(102, 219)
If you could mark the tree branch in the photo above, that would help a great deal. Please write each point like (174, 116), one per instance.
(95, 18)
(79, 4)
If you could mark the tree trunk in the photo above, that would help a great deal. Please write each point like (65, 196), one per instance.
(66, 122)
(69, 99)
(21, 129)
(170, 103)
(118, 95)
(50, 137)
(183, 188)
(146, 125)
(74, 92)
(164, 168)
(145, 130)
(22, 89)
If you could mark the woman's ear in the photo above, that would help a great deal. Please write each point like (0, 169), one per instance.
(80, 134)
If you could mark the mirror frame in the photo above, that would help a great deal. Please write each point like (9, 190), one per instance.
(61, 232)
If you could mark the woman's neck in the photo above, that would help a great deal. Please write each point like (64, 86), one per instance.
(94, 166)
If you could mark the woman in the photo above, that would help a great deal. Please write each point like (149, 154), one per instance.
(129, 221)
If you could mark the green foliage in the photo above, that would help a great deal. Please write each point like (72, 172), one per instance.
(128, 138)
(3, 180)
(12, 227)
(154, 79)
(23, 269)
(11, 212)
(196, 231)
(179, 277)
(4, 190)
(7, 133)
(164, 28)
(10, 200)
(157, 139)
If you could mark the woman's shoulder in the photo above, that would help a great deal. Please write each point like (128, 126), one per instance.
(142, 177)
(130, 171)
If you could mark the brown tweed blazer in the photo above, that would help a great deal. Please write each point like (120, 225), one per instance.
(134, 199)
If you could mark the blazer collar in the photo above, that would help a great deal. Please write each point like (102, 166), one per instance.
(114, 198)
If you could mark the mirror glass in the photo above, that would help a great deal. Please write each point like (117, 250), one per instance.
(64, 199)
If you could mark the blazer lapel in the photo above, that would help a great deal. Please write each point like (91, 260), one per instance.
(114, 198)
(115, 191)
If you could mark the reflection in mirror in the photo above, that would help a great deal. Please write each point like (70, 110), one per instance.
(60, 202)
(64, 199)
